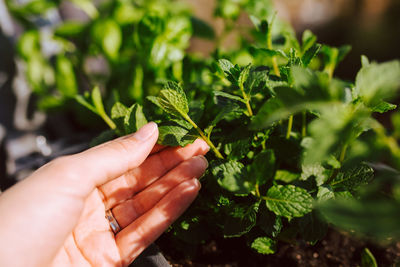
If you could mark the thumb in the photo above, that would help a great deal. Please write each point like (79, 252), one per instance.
(110, 160)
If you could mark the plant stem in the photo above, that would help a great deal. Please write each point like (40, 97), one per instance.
(289, 128)
(257, 191)
(269, 46)
(304, 124)
(247, 99)
(109, 122)
(275, 66)
(203, 136)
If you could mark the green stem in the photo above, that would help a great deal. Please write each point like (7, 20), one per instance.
(304, 124)
(203, 136)
(109, 122)
(290, 125)
(275, 66)
(247, 99)
(258, 195)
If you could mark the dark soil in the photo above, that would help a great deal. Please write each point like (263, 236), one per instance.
(337, 249)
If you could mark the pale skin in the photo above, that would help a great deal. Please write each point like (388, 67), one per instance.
(56, 217)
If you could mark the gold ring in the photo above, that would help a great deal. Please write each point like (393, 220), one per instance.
(113, 222)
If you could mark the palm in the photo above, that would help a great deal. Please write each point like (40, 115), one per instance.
(92, 242)
(144, 201)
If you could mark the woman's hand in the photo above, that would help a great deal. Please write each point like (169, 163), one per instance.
(57, 215)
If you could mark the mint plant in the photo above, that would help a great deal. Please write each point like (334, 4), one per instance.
(293, 147)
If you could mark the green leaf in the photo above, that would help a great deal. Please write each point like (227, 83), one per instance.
(374, 218)
(325, 192)
(244, 74)
(269, 222)
(376, 82)
(308, 40)
(267, 52)
(232, 72)
(286, 176)
(368, 259)
(383, 107)
(240, 220)
(172, 100)
(238, 149)
(134, 119)
(316, 170)
(70, 29)
(354, 177)
(108, 35)
(364, 61)
(175, 134)
(289, 201)
(118, 113)
(264, 245)
(310, 54)
(312, 228)
(220, 94)
(263, 167)
(232, 176)
(337, 125)
(202, 29)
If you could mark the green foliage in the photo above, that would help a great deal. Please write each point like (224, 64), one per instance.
(289, 201)
(264, 245)
(368, 259)
(289, 140)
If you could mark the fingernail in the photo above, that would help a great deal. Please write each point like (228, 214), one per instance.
(204, 160)
(146, 131)
(197, 182)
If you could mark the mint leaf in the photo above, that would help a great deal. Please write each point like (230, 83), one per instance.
(176, 134)
(264, 245)
(244, 74)
(238, 149)
(232, 176)
(286, 176)
(376, 82)
(308, 40)
(310, 54)
(240, 220)
(269, 222)
(354, 177)
(383, 107)
(263, 167)
(172, 100)
(289, 201)
(134, 119)
(368, 259)
(65, 77)
(202, 29)
(118, 113)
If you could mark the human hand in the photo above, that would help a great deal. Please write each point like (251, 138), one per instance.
(57, 215)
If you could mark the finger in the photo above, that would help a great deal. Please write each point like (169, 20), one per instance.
(133, 239)
(124, 187)
(130, 210)
(105, 162)
(157, 148)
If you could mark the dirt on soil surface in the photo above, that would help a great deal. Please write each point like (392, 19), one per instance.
(337, 249)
